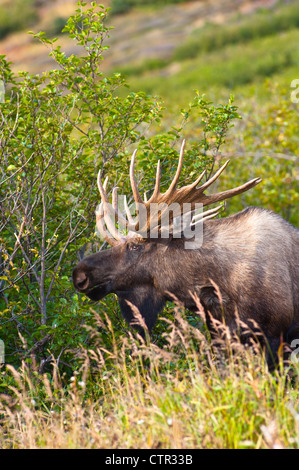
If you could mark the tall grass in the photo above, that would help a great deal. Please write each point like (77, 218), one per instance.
(139, 395)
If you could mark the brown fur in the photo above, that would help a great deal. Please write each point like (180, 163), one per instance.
(252, 256)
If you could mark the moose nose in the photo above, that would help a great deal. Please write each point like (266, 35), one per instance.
(80, 280)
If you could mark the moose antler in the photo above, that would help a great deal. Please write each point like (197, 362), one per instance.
(178, 198)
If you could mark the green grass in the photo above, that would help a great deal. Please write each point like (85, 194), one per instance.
(239, 31)
(123, 6)
(219, 59)
(16, 15)
(228, 69)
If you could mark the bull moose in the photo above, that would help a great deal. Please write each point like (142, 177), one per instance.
(250, 258)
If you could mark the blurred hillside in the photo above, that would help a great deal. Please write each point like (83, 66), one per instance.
(150, 31)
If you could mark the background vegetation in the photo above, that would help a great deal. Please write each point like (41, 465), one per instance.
(74, 370)
(123, 6)
(10, 18)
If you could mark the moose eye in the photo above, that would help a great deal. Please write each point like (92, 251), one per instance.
(133, 247)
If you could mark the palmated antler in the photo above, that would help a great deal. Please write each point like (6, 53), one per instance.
(182, 200)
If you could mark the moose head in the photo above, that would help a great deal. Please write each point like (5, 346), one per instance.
(145, 270)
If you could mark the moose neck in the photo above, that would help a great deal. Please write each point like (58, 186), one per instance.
(201, 265)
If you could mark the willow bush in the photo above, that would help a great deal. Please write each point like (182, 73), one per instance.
(57, 130)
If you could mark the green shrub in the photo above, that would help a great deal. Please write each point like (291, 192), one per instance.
(266, 143)
(58, 130)
(56, 27)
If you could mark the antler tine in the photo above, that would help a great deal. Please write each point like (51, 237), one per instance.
(110, 225)
(231, 192)
(114, 198)
(193, 185)
(189, 194)
(197, 195)
(118, 215)
(157, 185)
(206, 217)
(129, 215)
(178, 171)
(134, 185)
(104, 196)
(101, 226)
(202, 215)
(207, 214)
(102, 187)
(214, 177)
(106, 206)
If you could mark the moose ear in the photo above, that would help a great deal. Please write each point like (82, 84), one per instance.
(143, 300)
